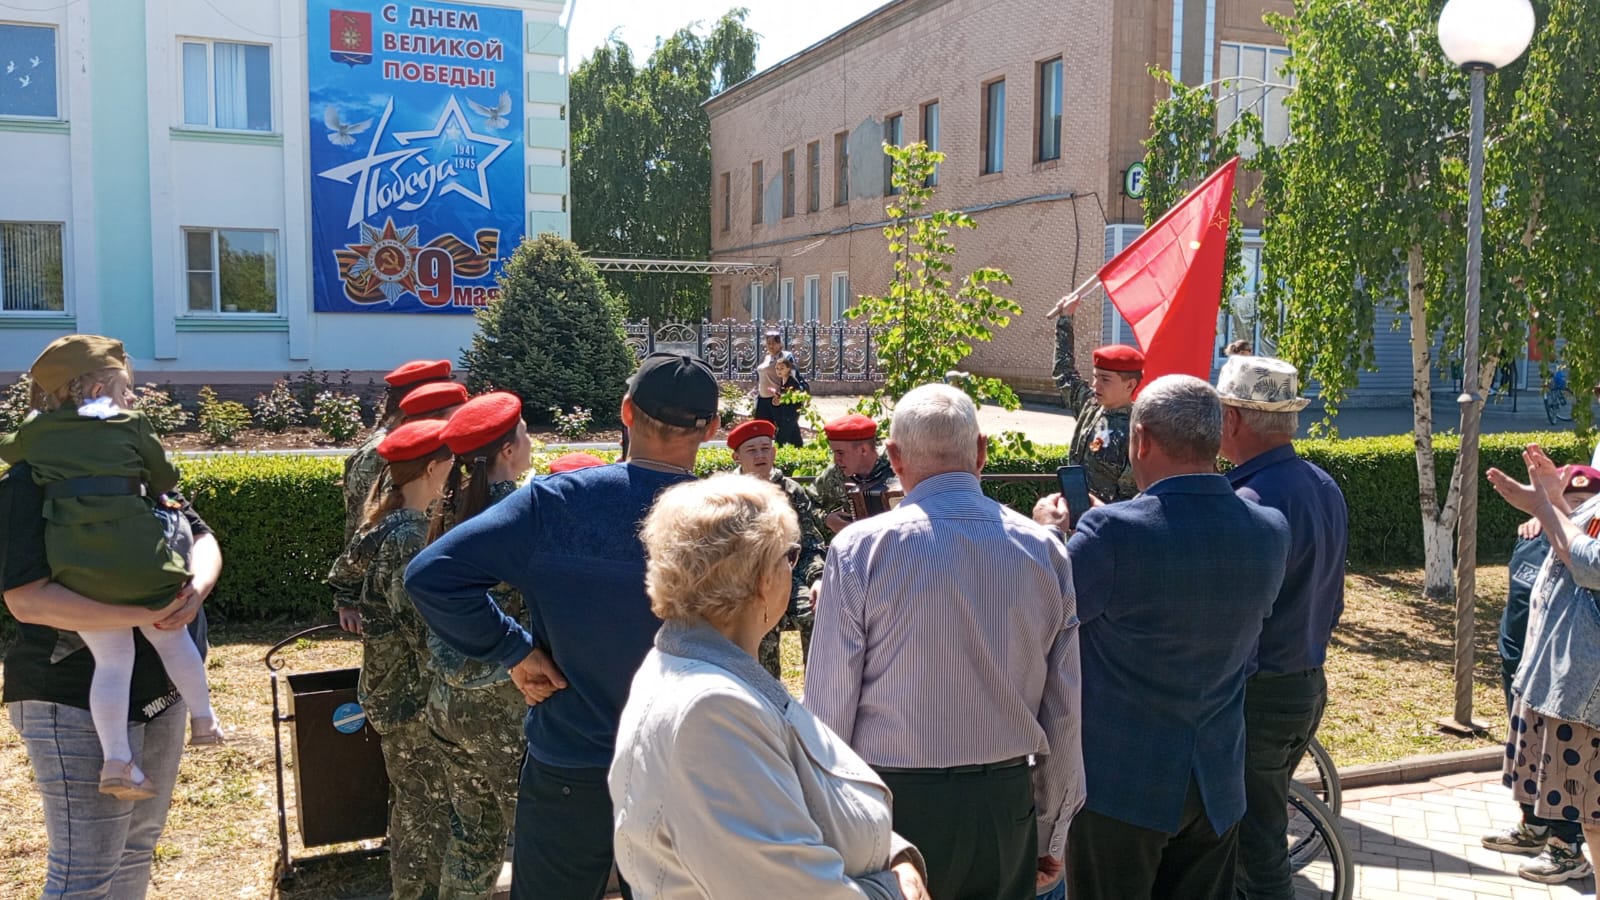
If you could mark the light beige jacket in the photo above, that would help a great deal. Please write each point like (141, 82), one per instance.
(724, 786)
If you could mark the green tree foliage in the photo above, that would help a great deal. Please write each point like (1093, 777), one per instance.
(641, 157)
(554, 338)
(931, 323)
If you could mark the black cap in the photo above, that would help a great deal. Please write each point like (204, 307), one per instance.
(675, 389)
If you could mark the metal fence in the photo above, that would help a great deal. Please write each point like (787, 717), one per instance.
(837, 352)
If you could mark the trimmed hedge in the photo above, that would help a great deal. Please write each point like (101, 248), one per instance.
(280, 519)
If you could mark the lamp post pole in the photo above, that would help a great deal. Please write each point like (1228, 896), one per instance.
(1471, 422)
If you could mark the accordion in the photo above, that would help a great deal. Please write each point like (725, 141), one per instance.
(874, 499)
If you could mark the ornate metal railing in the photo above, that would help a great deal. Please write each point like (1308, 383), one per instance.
(836, 352)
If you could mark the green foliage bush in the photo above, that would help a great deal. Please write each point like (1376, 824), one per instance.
(277, 410)
(221, 420)
(14, 405)
(554, 337)
(338, 415)
(166, 415)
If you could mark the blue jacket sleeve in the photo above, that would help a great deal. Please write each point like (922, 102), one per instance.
(450, 580)
(1094, 564)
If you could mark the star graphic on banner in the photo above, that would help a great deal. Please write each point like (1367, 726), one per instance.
(453, 122)
(1219, 220)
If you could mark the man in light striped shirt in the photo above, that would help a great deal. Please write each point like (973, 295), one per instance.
(945, 652)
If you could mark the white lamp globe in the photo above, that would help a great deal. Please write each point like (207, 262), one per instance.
(1485, 33)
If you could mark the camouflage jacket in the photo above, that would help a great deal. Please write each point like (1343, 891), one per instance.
(829, 488)
(459, 670)
(395, 670)
(360, 468)
(1074, 390)
(1101, 447)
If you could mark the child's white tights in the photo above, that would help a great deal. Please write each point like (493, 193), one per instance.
(113, 673)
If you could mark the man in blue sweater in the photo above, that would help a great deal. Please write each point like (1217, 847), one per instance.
(569, 543)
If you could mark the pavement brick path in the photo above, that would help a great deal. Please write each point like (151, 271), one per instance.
(1421, 842)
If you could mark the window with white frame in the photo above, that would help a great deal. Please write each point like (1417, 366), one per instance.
(786, 300)
(758, 301)
(32, 268)
(227, 86)
(841, 295)
(930, 134)
(28, 86)
(1256, 83)
(1244, 319)
(994, 127)
(813, 298)
(1048, 124)
(231, 271)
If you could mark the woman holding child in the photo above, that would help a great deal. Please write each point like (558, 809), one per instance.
(101, 844)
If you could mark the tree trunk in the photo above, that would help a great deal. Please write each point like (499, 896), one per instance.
(1438, 522)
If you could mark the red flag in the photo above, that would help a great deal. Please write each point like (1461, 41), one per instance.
(1168, 282)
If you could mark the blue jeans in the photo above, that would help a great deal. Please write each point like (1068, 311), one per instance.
(1059, 892)
(100, 847)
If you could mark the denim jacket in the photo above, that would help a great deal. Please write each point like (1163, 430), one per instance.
(1560, 671)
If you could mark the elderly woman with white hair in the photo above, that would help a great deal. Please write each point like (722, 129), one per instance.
(723, 784)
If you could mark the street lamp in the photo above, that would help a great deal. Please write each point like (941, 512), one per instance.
(1479, 36)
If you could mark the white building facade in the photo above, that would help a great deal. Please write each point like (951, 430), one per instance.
(226, 185)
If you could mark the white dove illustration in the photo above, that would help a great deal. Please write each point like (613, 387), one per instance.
(497, 114)
(339, 132)
(24, 80)
(34, 62)
(11, 67)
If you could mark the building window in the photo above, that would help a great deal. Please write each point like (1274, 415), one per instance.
(757, 183)
(227, 85)
(1244, 318)
(786, 300)
(724, 301)
(813, 297)
(841, 168)
(31, 267)
(994, 127)
(1049, 124)
(841, 295)
(28, 88)
(232, 271)
(1254, 81)
(893, 131)
(930, 134)
(788, 183)
(813, 176)
(758, 301)
(727, 201)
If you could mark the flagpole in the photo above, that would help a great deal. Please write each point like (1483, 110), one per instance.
(1077, 293)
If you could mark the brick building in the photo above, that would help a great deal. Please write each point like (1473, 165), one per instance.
(1040, 107)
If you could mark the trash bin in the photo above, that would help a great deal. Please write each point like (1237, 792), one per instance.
(341, 787)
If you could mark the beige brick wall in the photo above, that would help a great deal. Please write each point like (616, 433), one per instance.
(1044, 224)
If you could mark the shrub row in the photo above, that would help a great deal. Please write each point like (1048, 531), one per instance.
(280, 519)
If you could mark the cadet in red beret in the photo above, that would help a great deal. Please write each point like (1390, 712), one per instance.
(361, 467)
(744, 431)
(572, 462)
(1100, 444)
(416, 464)
(856, 459)
(437, 399)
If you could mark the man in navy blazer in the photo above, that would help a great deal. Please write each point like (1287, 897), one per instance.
(1173, 586)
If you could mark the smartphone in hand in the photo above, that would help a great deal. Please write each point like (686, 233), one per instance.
(1075, 490)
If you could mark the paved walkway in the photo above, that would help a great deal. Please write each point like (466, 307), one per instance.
(1421, 842)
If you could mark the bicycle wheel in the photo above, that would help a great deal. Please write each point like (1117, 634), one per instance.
(1557, 404)
(1318, 773)
(1318, 853)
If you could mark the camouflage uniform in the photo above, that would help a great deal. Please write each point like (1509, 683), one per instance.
(1074, 390)
(477, 715)
(813, 550)
(1101, 447)
(829, 488)
(393, 689)
(360, 469)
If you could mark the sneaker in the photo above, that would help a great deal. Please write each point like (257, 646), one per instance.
(1559, 862)
(205, 732)
(1523, 838)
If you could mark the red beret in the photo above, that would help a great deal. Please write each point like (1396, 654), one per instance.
(571, 462)
(752, 429)
(429, 398)
(1119, 358)
(1582, 479)
(854, 427)
(483, 419)
(419, 370)
(412, 440)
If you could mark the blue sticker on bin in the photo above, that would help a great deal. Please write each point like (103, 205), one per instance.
(349, 718)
